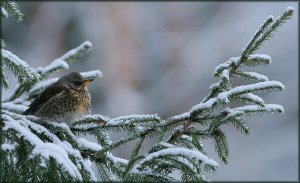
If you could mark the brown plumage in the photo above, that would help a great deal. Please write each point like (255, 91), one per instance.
(64, 100)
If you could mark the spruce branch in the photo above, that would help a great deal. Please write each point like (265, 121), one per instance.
(186, 141)
(264, 33)
(11, 8)
(269, 108)
(171, 151)
(268, 33)
(141, 176)
(130, 137)
(61, 63)
(134, 155)
(32, 133)
(19, 67)
(250, 98)
(16, 108)
(91, 122)
(55, 66)
(240, 125)
(252, 76)
(92, 74)
(33, 90)
(3, 45)
(250, 46)
(256, 87)
(221, 144)
(257, 60)
(221, 92)
(47, 149)
(25, 74)
(3, 81)
(106, 174)
(77, 52)
(4, 13)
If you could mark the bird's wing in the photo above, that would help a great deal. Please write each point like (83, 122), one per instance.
(47, 94)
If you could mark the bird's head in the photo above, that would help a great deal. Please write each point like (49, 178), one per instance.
(75, 81)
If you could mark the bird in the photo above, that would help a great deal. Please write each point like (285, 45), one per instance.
(64, 101)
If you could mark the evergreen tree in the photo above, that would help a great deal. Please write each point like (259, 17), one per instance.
(33, 149)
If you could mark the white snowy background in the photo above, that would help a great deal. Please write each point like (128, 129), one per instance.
(159, 58)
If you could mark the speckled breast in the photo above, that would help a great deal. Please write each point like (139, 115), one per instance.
(67, 106)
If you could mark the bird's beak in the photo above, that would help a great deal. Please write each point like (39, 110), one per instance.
(87, 81)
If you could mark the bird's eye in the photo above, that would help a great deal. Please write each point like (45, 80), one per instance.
(77, 83)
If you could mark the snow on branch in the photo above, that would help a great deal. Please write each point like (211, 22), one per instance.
(252, 76)
(223, 97)
(191, 155)
(265, 32)
(4, 13)
(256, 87)
(262, 28)
(2, 43)
(59, 150)
(257, 109)
(228, 69)
(91, 122)
(11, 8)
(17, 108)
(235, 115)
(19, 67)
(88, 122)
(55, 66)
(203, 106)
(251, 98)
(180, 117)
(252, 60)
(151, 176)
(127, 120)
(78, 52)
(54, 146)
(39, 87)
(3, 81)
(88, 145)
(258, 60)
(47, 150)
(92, 74)
(61, 62)
(8, 146)
(269, 30)
(220, 68)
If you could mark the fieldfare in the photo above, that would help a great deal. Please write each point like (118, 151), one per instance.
(65, 100)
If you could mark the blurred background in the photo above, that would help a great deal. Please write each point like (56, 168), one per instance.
(159, 57)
